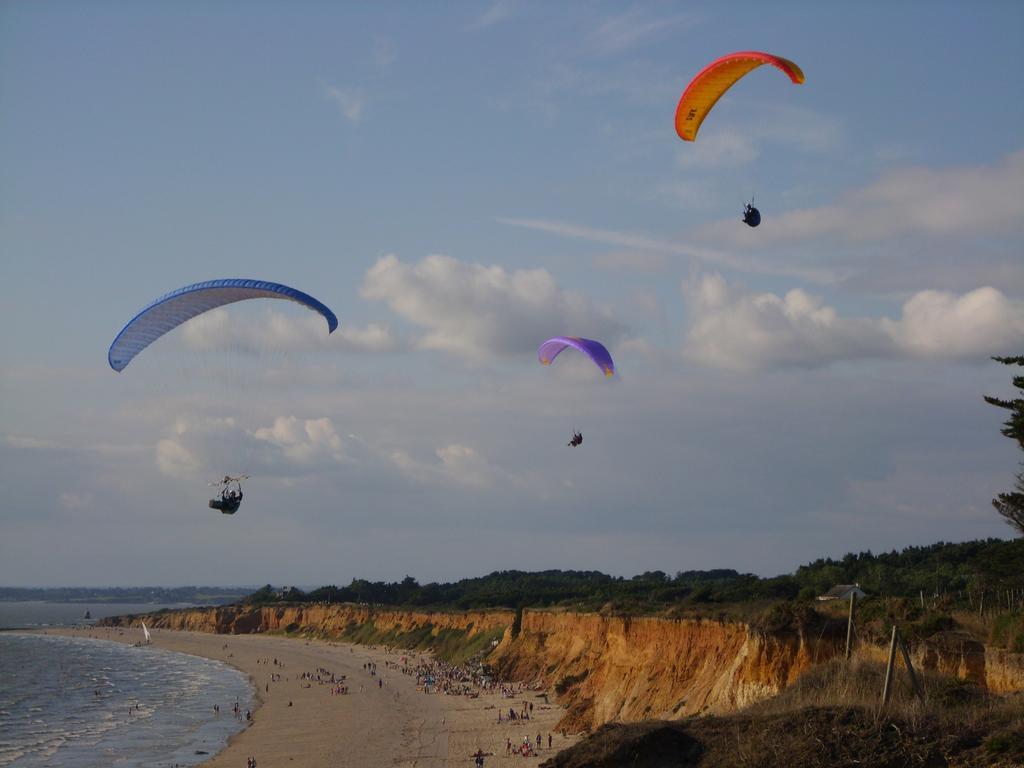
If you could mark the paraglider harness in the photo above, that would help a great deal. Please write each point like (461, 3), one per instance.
(751, 216)
(230, 500)
(577, 439)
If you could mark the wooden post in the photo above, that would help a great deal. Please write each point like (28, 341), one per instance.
(888, 668)
(910, 668)
(981, 605)
(922, 599)
(849, 625)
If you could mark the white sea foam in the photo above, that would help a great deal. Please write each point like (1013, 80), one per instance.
(67, 700)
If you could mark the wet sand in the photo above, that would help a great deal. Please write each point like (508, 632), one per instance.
(300, 724)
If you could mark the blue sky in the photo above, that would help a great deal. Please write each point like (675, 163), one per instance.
(458, 183)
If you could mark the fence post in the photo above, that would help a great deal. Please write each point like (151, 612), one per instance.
(888, 668)
(910, 667)
(849, 625)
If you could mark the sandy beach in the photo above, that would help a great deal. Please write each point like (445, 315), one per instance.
(383, 720)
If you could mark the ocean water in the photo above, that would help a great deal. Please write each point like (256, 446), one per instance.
(65, 702)
(32, 614)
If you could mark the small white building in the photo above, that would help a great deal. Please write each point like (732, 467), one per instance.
(843, 592)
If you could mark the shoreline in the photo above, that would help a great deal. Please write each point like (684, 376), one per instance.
(383, 720)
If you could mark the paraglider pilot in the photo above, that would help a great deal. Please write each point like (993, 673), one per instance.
(577, 439)
(751, 216)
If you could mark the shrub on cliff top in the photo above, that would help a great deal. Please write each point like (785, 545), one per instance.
(1008, 632)
(263, 595)
(789, 616)
(928, 624)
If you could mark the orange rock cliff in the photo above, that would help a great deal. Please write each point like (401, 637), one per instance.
(606, 668)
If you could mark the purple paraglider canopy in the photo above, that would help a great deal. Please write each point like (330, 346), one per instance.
(595, 350)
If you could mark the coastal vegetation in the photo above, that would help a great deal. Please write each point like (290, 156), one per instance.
(829, 717)
(775, 690)
(456, 646)
(973, 588)
(1011, 505)
(167, 595)
(942, 574)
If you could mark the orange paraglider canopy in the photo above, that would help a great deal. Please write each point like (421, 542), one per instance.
(715, 79)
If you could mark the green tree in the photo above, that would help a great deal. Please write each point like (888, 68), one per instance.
(266, 594)
(1011, 505)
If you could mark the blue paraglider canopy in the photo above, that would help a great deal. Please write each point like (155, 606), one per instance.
(172, 309)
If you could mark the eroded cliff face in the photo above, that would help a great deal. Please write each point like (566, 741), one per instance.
(607, 668)
(959, 655)
(1004, 671)
(324, 620)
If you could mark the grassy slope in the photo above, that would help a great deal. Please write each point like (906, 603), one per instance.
(452, 645)
(829, 718)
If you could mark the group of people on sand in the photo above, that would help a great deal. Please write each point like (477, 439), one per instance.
(523, 714)
(250, 762)
(435, 676)
(527, 748)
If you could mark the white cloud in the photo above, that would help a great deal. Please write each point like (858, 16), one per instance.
(372, 338)
(457, 465)
(303, 440)
(641, 242)
(190, 444)
(683, 194)
(174, 459)
(942, 324)
(726, 148)
(350, 101)
(287, 447)
(191, 423)
(737, 330)
(628, 29)
(385, 52)
(632, 261)
(799, 127)
(495, 14)
(75, 501)
(722, 143)
(478, 312)
(31, 443)
(940, 203)
(635, 81)
(730, 329)
(219, 330)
